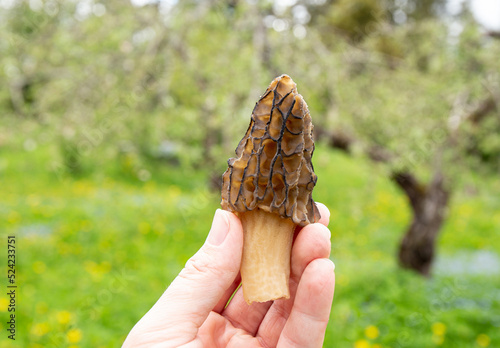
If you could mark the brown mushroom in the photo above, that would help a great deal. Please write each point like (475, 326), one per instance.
(269, 186)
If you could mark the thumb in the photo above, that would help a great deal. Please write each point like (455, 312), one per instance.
(203, 281)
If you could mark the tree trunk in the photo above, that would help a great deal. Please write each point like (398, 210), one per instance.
(428, 203)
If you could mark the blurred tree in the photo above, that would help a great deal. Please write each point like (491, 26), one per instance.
(416, 9)
(355, 19)
(403, 81)
(110, 82)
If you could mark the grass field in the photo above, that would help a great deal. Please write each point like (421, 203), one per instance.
(94, 254)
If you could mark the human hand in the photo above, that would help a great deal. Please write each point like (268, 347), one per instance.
(192, 312)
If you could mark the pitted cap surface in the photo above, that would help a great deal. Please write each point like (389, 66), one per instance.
(272, 169)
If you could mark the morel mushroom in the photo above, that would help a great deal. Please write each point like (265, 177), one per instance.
(269, 186)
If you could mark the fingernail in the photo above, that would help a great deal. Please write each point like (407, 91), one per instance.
(321, 204)
(220, 228)
(325, 209)
(326, 230)
(333, 265)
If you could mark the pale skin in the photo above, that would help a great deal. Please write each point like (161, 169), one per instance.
(192, 312)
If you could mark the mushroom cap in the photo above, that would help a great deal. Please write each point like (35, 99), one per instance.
(272, 169)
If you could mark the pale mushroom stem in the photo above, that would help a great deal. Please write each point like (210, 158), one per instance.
(265, 265)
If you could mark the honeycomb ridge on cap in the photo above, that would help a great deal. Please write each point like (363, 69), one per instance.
(272, 169)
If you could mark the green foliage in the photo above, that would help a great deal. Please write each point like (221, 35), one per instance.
(127, 77)
(94, 255)
(356, 19)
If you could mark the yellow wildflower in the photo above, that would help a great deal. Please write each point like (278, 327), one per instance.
(372, 332)
(74, 335)
(438, 329)
(4, 304)
(40, 329)
(361, 344)
(483, 340)
(97, 270)
(63, 317)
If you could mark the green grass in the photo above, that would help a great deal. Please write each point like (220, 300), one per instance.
(94, 254)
